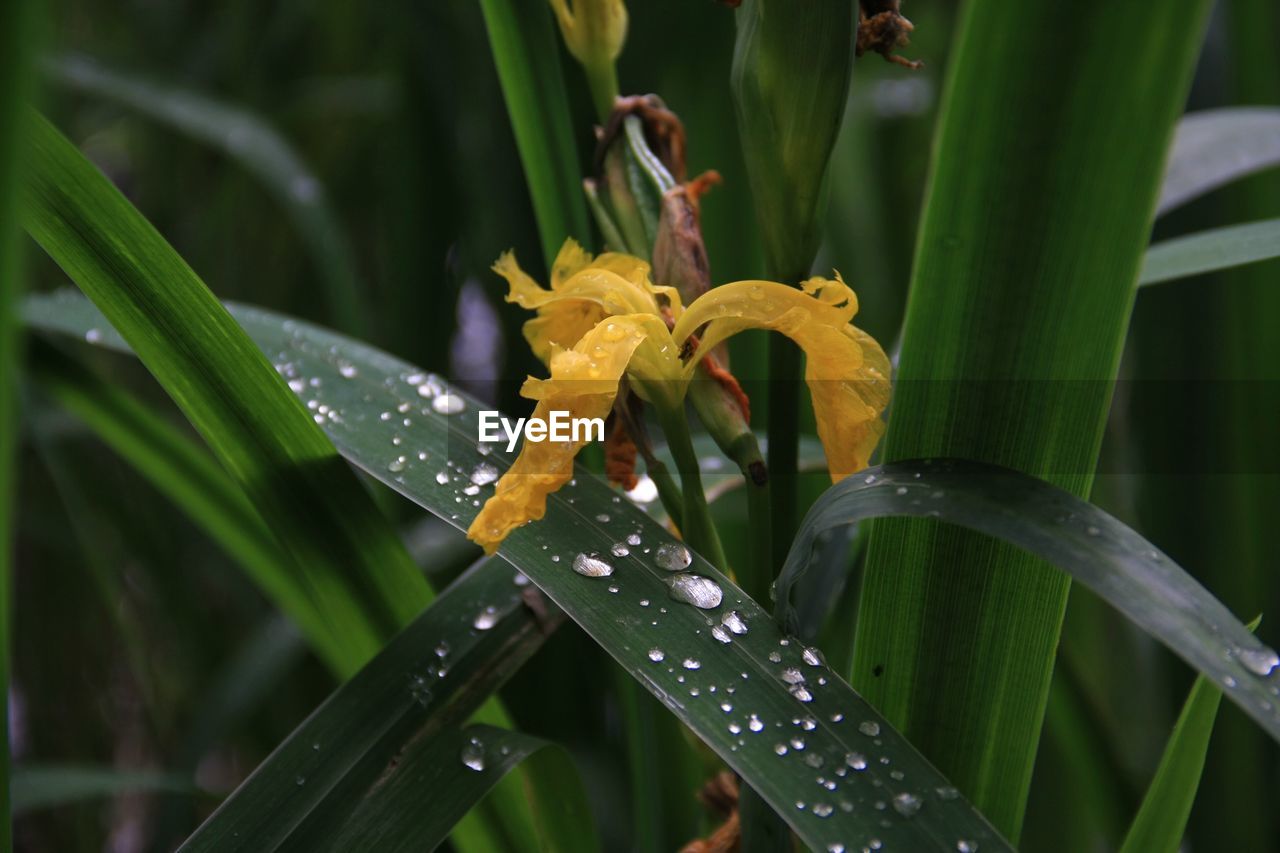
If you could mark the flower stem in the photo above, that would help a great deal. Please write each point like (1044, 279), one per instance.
(784, 441)
(668, 491)
(698, 530)
(758, 576)
(602, 79)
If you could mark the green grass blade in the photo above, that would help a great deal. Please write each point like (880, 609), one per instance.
(1092, 547)
(188, 476)
(370, 744)
(431, 771)
(433, 467)
(1209, 251)
(526, 51)
(1162, 818)
(261, 150)
(347, 557)
(17, 46)
(41, 786)
(1011, 341)
(1215, 147)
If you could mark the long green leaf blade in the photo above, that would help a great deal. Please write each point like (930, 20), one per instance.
(354, 568)
(17, 31)
(780, 737)
(1209, 251)
(526, 52)
(44, 786)
(371, 739)
(257, 146)
(1086, 543)
(1162, 818)
(1215, 147)
(189, 477)
(1011, 342)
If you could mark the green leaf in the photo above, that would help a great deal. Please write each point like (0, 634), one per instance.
(345, 555)
(372, 395)
(1215, 147)
(45, 786)
(1038, 211)
(253, 143)
(1209, 251)
(189, 477)
(1162, 818)
(18, 20)
(1086, 543)
(526, 52)
(388, 741)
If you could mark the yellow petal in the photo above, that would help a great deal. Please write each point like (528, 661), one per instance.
(846, 370)
(583, 291)
(584, 381)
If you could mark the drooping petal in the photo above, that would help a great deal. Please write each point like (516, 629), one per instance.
(846, 370)
(583, 383)
(583, 291)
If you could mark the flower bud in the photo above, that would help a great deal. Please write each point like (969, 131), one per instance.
(790, 80)
(594, 31)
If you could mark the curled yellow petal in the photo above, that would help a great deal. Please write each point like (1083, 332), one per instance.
(584, 381)
(583, 291)
(846, 370)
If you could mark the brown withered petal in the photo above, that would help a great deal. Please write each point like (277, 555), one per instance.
(726, 839)
(882, 29)
(620, 455)
(663, 132)
(679, 254)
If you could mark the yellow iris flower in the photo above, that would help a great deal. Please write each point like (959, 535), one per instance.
(603, 319)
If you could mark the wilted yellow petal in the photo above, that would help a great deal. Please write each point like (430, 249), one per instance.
(584, 381)
(583, 291)
(846, 370)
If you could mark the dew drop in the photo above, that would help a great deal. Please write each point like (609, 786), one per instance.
(780, 749)
(657, 655)
(906, 804)
(947, 792)
(446, 403)
(397, 465)
(701, 592)
(347, 369)
(619, 550)
(633, 539)
(822, 809)
(486, 619)
(94, 336)
(856, 760)
(791, 675)
(870, 728)
(473, 755)
(720, 634)
(691, 663)
(734, 622)
(812, 656)
(1260, 662)
(484, 474)
(591, 566)
(673, 557)
(755, 723)
(963, 846)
